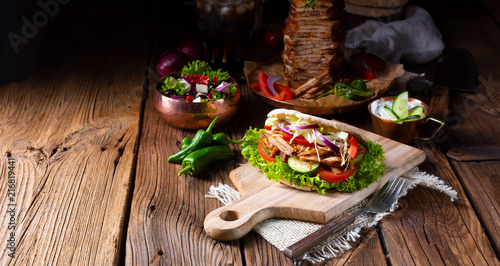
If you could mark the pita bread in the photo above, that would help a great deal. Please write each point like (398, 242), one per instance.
(283, 113)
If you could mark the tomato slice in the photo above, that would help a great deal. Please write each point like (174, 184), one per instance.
(263, 153)
(263, 84)
(299, 140)
(353, 146)
(268, 128)
(326, 174)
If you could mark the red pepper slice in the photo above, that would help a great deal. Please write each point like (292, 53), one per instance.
(198, 79)
(190, 98)
(284, 93)
(263, 84)
(255, 86)
(299, 140)
(353, 146)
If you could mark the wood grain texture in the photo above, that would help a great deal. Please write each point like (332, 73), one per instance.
(72, 128)
(474, 118)
(166, 221)
(432, 230)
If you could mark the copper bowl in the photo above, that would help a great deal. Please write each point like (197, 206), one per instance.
(194, 116)
(404, 132)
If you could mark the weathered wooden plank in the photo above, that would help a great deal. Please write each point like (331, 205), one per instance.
(72, 129)
(166, 221)
(432, 230)
(478, 31)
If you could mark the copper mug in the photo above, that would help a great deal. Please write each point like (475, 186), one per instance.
(404, 132)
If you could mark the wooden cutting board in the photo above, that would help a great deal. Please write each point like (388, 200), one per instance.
(264, 199)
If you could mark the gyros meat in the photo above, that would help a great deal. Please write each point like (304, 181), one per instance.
(312, 54)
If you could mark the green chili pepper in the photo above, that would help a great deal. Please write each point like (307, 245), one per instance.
(221, 139)
(332, 91)
(218, 139)
(364, 94)
(199, 160)
(356, 95)
(359, 85)
(354, 91)
(201, 139)
(186, 142)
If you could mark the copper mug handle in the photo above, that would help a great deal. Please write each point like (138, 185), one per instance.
(442, 124)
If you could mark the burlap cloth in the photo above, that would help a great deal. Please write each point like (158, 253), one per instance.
(282, 233)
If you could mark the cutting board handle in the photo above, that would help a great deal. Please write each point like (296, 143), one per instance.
(233, 221)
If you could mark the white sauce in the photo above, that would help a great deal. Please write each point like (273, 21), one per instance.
(377, 108)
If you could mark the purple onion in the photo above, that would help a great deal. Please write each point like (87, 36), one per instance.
(270, 83)
(333, 147)
(172, 61)
(281, 125)
(223, 87)
(193, 48)
(177, 97)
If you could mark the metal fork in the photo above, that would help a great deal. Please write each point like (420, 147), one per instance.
(381, 202)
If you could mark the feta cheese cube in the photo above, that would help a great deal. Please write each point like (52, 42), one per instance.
(185, 84)
(202, 88)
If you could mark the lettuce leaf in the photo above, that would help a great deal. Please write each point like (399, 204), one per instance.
(370, 168)
(171, 83)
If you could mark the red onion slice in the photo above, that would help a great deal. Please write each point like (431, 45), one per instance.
(281, 125)
(177, 97)
(223, 87)
(270, 83)
(311, 126)
(333, 147)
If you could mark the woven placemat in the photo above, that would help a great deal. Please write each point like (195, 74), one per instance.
(282, 233)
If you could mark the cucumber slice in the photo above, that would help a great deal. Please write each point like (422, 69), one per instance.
(302, 167)
(358, 158)
(417, 110)
(408, 118)
(391, 113)
(400, 104)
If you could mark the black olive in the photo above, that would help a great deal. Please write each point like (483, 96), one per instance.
(189, 93)
(169, 93)
(201, 95)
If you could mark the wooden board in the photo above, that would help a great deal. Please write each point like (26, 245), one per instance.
(264, 199)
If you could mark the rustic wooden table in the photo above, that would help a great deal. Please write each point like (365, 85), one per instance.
(84, 172)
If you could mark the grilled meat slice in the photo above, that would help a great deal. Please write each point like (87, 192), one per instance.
(279, 142)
